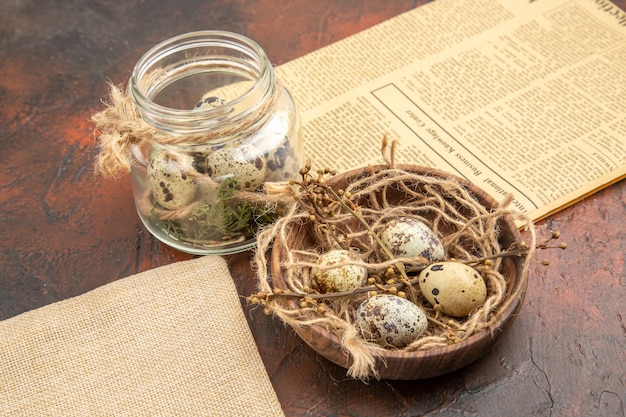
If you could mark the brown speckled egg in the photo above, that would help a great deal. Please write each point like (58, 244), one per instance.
(340, 278)
(171, 187)
(410, 238)
(209, 101)
(457, 288)
(390, 321)
(282, 162)
(245, 163)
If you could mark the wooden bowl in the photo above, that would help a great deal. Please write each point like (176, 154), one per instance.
(402, 365)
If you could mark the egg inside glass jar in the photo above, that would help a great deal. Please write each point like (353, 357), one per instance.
(390, 321)
(170, 179)
(282, 161)
(408, 237)
(243, 163)
(457, 289)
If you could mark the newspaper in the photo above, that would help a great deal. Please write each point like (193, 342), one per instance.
(521, 97)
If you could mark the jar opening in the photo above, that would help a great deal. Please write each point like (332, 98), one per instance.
(201, 80)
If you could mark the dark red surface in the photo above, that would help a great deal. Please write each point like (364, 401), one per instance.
(65, 231)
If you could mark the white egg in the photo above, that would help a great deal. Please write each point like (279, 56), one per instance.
(389, 320)
(455, 287)
(340, 278)
(410, 238)
(244, 163)
(171, 187)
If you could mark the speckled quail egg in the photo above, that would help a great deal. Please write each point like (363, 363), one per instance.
(209, 101)
(282, 162)
(244, 163)
(389, 320)
(410, 238)
(171, 186)
(457, 288)
(340, 278)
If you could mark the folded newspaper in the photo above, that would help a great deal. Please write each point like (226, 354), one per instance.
(520, 97)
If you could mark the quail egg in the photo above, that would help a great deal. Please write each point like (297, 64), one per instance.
(455, 287)
(244, 163)
(209, 101)
(407, 237)
(282, 162)
(171, 186)
(389, 320)
(340, 278)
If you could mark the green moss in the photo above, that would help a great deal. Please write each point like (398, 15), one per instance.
(225, 218)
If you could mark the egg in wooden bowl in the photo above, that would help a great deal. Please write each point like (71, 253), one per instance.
(468, 253)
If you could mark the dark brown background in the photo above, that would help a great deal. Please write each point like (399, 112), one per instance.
(64, 231)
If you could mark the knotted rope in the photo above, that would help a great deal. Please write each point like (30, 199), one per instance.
(120, 125)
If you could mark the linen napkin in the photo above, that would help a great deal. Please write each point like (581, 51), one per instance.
(172, 341)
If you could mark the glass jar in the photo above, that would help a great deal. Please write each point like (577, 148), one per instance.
(224, 127)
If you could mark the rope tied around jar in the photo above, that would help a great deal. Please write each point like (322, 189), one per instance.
(199, 203)
(119, 126)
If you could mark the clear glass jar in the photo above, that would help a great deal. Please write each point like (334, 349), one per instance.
(224, 127)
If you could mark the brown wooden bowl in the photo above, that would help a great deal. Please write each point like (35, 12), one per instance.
(402, 365)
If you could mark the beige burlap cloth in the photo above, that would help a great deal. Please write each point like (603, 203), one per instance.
(172, 341)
